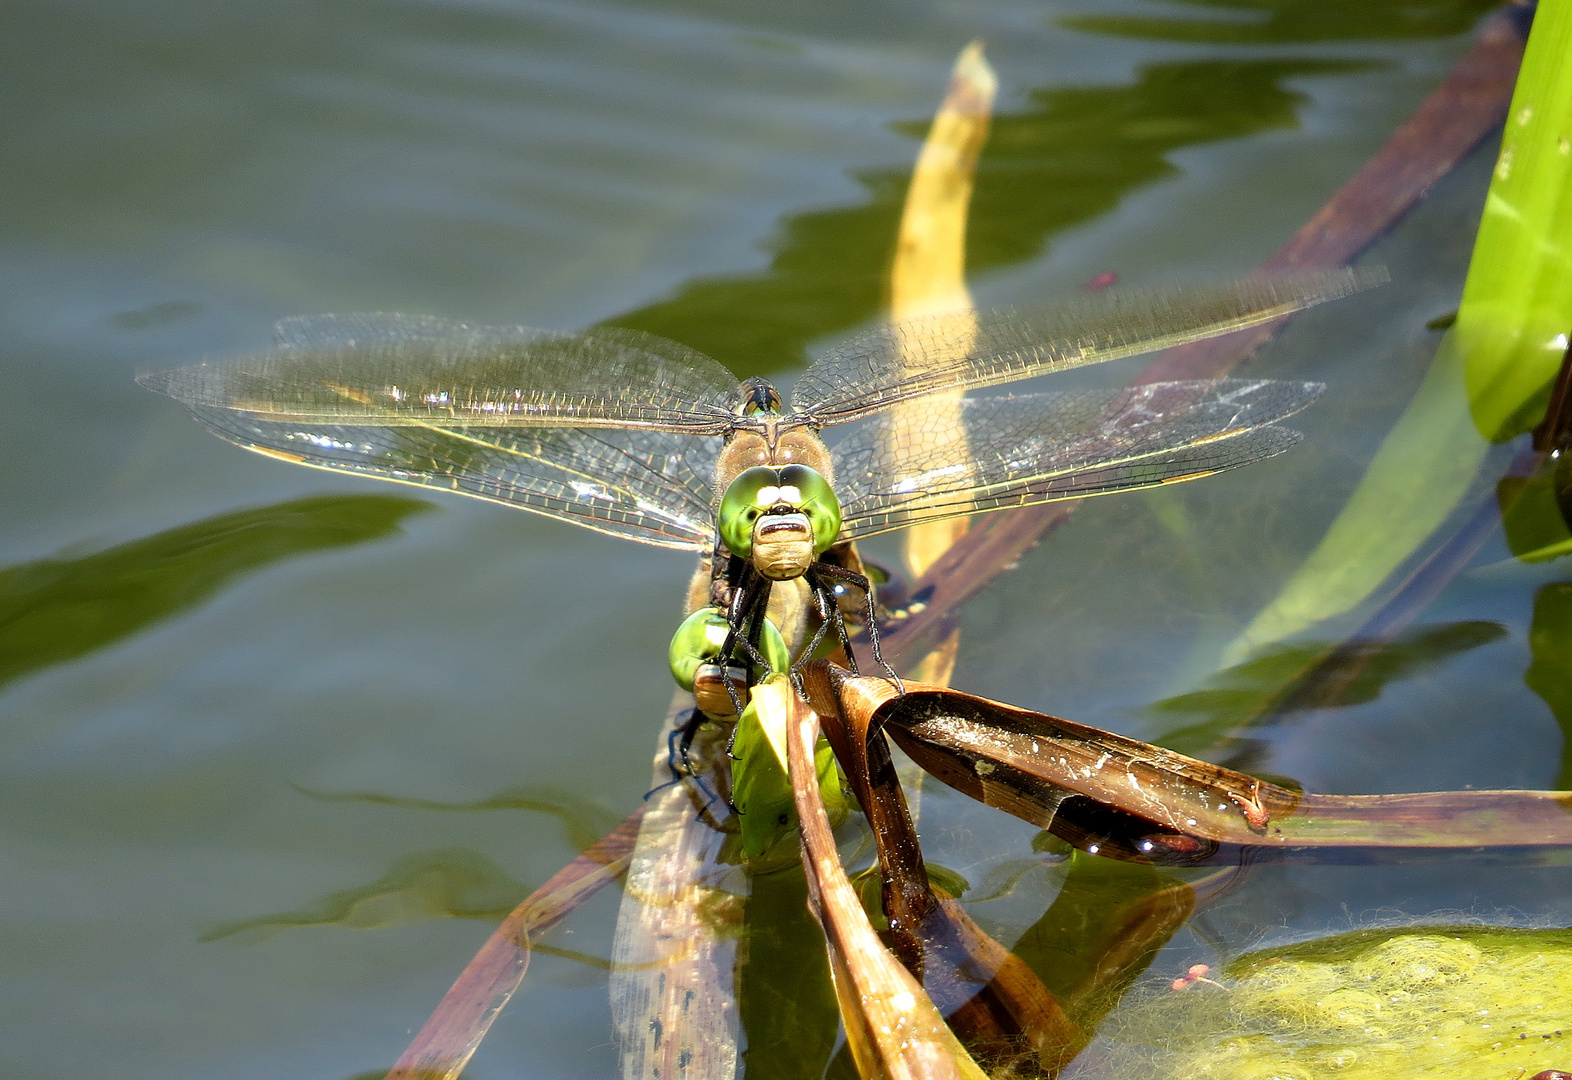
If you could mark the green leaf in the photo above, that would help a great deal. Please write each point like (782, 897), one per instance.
(1490, 379)
(1517, 302)
(761, 791)
(1422, 470)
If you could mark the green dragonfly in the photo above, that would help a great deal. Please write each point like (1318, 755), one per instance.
(644, 438)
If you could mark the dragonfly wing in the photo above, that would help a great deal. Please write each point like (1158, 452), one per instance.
(966, 349)
(403, 370)
(650, 486)
(1037, 448)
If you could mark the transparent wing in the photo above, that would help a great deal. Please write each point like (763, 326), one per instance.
(964, 350)
(1037, 448)
(398, 370)
(651, 486)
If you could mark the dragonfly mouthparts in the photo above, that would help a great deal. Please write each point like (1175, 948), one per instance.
(783, 518)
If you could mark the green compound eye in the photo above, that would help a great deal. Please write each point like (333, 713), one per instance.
(756, 490)
(699, 639)
(742, 505)
(817, 499)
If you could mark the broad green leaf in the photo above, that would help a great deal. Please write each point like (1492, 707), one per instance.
(761, 786)
(1412, 485)
(1490, 377)
(1517, 302)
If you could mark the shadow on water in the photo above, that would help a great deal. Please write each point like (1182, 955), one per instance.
(582, 820)
(1270, 685)
(56, 610)
(452, 884)
(1071, 156)
(785, 1000)
(1550, 673)
(1285, 22)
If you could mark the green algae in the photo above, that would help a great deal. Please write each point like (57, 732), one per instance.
(1457, 1002)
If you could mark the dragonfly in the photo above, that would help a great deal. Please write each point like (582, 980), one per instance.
(645, 438)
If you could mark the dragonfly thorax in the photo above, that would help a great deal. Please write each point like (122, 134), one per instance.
(776, 442)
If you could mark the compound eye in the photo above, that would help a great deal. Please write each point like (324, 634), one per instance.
(754, 491)
(812, 494)
(697, 642)
(699, 639)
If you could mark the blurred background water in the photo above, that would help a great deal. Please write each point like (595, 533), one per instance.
(197, 645)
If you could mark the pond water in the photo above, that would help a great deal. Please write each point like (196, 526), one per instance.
(198, 646)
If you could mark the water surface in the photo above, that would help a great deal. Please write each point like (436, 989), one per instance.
(203, 642)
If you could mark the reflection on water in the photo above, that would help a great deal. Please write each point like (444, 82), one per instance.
(1072, 155)
(1284, 679)
(1101, 932)
(1550, 673)
(54, 610)
(1280, 22)
(785, 1000)
(582, 820)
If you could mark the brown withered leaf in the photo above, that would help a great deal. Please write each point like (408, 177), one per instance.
(450, 1037)
(893, 1029)
(995, 1003)
(1112, 795)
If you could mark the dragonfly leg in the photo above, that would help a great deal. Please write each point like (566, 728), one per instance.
(822, 602)
(828, 597)
(746, 619)
(850, 577)
(679, 743)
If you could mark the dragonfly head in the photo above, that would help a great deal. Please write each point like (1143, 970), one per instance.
(779, 519)
(695, 651)
(759, 396)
